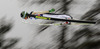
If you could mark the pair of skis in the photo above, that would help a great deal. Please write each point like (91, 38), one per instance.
(56, 19)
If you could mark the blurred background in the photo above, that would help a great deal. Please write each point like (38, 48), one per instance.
(15, 34)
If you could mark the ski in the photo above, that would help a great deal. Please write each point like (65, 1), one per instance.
(48, 18)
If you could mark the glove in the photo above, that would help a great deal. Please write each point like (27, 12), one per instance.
(52, 10)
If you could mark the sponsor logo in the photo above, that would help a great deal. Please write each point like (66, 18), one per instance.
(43, 18)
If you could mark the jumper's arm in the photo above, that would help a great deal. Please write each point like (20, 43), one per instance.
(42, 12)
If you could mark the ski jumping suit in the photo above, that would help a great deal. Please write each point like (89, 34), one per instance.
(59, 16)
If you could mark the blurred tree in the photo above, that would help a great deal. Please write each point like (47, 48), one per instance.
(62, 38)
(91, 39)
(6, 43)
(95, 10)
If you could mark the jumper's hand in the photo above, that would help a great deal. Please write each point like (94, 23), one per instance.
(52, 10)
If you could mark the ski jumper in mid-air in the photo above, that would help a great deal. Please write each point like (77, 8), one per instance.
(52, 15)
(48, 15)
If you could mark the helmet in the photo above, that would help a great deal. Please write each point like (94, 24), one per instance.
(23, 15)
